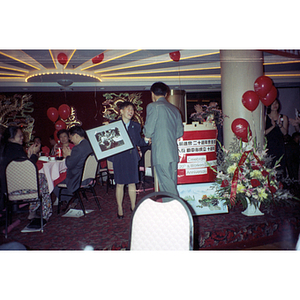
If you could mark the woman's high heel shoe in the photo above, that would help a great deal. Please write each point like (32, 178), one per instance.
(120, 216)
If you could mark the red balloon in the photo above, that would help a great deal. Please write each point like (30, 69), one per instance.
(64, 111)
(60, 125)
(97, 59)
(263, 85)
(270, 97)
(250, 100)
(55, 136)
(62, 58)
(175, 56)
(240, 128)
(52, 114)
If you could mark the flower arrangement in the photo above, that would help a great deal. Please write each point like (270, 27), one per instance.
(244, 172)
(206, 113)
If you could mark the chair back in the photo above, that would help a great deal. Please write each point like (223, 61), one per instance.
(22, 180)
(90, 168)
(161, 225)
(147, 159)
(110, 167)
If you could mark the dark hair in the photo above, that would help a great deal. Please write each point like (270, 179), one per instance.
(10, 133)
(269, 107)
(51, 137)
(124, 104)
(37, 137)
(62, 131)
(159, 89)
(295, 134)
(77, 129)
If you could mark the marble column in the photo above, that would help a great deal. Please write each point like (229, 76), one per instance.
(239, 70)
(178, 98)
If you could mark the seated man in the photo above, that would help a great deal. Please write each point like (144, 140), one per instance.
(75, 159)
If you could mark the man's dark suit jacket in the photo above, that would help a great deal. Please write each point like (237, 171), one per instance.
(75, 164)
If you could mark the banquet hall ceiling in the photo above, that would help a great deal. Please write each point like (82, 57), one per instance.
(116, 70)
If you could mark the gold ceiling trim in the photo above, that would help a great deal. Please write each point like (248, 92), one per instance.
(282, 62)
(283, 75)
(19, 60)
(53, 59)
(111, 59)
(160, 71)
(167, 77)
(62, 73)
(156, 63)
(13, 69)
(69, 59)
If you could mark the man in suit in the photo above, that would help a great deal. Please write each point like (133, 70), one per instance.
(163, 126)
(75, 159)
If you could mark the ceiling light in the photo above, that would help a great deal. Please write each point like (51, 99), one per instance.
(65, 82)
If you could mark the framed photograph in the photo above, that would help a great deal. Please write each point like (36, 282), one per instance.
(202, 199)
(108, 140)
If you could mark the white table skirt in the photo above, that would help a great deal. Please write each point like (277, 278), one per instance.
(52, 171)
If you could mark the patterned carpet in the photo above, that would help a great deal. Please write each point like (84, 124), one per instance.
(104, 231)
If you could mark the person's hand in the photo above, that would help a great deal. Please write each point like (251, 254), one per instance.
(34, 149)
(148, 140)
(273, 123)
(66, 151)
(280, 122)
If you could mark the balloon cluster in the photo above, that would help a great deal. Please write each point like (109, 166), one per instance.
(53, 114)
(265, 91)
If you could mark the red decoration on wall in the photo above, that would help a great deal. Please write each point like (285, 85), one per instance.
(175, 56)
(52, 114)
(62, 58)
(97, 59)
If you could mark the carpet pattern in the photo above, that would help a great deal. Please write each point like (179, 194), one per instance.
(233, 230)
(104, 231)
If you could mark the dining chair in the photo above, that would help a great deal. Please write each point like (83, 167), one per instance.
(102, 171)
(147, 167)
(22, 184)
(157, 225)
(110, 175)
(89, 174)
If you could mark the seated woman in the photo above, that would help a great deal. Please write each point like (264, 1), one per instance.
(63, 139)
(12, 148)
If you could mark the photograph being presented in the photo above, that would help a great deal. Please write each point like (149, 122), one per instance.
(110, 139)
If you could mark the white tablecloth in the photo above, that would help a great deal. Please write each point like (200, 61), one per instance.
(52, 171)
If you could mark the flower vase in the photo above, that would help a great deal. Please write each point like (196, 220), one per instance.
(251, 210)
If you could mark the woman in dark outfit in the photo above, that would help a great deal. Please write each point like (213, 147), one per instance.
(12, 148)
(125, 164)
(276, 128)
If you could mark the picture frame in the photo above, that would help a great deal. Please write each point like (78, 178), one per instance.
(201, 198)
(110, 139)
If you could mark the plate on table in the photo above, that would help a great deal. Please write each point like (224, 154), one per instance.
(44, 158)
